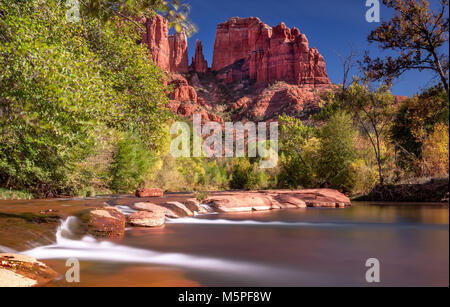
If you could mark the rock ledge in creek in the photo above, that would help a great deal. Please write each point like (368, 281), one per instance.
(277, 199)
(23, 271)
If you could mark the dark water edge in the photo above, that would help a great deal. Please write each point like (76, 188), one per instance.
(305, 247)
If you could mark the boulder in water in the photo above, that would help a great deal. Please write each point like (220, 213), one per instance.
(145, 192)
(107, 222)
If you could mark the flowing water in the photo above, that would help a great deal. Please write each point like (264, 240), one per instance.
(306, 247)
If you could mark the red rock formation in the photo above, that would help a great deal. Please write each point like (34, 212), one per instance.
(168, 52)
(280, 98)
(178, 59)
(156, 38)
(182, 91)
(107, 222)
(277, 199)
(246, 47)
(246, 52)
(199, 64)
(185, 102)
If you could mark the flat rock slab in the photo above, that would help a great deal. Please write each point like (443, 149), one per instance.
(277, 199)
(147, 219)
(151, 207)
(23, 271)
(194, 205)
(240, 202)
(179, 208)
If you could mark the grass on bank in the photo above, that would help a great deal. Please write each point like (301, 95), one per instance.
(13, 194)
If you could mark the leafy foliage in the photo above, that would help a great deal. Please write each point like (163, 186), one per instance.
(337, 153)
(246, 175)
(414, 121)
(130, 10)
(59, 83)
(131, 165)
(418, 34)
(435, 151)
(297, 148)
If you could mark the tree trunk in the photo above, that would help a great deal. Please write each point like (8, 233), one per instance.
(380, 171)
(378, 154)
(440, 71)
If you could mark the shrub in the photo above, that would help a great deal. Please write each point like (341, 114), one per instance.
(131, 165)
(248, 176)
(201, 196)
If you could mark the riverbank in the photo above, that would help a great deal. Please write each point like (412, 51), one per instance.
(435, 190)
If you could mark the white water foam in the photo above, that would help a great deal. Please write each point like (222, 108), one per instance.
(4, 249)
(126, 210)
(89, 249)
(190, 220)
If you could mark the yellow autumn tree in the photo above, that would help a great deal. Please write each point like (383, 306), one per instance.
(435, 151)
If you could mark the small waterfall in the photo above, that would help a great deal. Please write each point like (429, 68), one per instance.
(66, 229)
(89, 249)
(208, 208)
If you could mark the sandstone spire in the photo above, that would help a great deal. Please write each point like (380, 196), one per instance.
(168, 52)
(199, 64)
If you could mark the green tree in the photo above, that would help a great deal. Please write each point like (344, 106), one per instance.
(372, 112)
(418, 34)
(246, 175)
(132, 163)
(297, 153)
(337, 153)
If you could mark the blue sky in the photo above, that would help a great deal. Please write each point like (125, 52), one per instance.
(331, 26)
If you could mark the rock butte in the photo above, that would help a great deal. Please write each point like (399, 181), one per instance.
(248, 56)
(266, 54)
